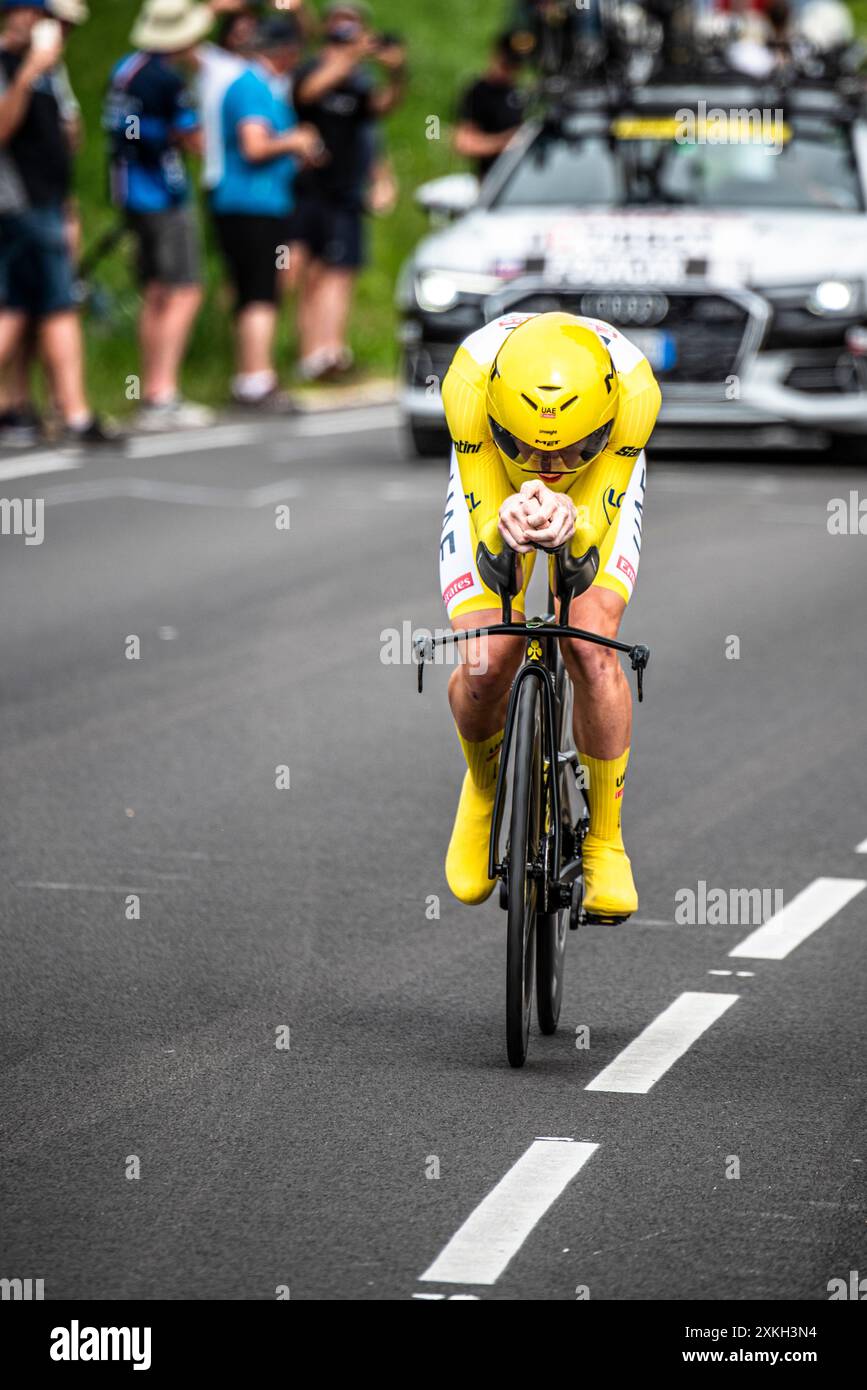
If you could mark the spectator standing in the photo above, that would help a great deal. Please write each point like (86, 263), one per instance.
(151, 123)
(491, 109)
(220, 63)
(20, 422)
(337, 93)
(36, 271)
(253, 199)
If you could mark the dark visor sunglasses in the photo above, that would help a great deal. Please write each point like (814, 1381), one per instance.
(581, 452)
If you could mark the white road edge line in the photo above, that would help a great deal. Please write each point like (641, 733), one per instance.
(374, 417)
(494, 1233)
(83, 887)
(28, 465)
(649, 1056)
(812, 908)
(192, 441)
(186, 494)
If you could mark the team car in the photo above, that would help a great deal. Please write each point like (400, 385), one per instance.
(722, 228)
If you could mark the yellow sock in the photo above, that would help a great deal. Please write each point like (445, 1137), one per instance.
(483, 760)
(605, 781)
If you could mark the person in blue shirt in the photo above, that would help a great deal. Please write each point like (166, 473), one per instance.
(252, 200)
(151, 122)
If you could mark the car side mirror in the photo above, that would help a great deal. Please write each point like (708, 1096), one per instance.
(448, 197)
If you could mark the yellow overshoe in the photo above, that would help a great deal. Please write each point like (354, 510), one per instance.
(467, 855)
(609, 889)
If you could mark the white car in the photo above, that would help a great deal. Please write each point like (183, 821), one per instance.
(722, 229)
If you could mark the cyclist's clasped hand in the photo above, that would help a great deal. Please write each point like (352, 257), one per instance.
(537, 516)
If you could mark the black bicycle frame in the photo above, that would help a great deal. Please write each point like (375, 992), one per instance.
(531, 670)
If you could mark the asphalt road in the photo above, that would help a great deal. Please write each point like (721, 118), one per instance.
(343, 1163)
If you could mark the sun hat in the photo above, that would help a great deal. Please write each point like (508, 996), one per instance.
(168, 26)
(71, 11)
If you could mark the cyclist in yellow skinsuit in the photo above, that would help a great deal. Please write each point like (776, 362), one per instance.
(549, 415)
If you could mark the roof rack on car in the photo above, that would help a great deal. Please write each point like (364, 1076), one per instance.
(606, 55)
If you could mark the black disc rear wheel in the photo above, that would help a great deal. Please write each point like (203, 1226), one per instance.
(551, 929)
(524, 849)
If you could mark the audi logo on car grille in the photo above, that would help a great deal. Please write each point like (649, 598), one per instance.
(643, 309)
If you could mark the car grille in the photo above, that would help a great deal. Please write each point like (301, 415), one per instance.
(707, 329)
(427, 363)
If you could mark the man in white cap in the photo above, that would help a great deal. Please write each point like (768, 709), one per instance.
(151, 124)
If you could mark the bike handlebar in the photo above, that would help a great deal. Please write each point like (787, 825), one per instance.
(573, 573)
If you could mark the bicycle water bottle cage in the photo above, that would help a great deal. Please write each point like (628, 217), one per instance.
(500, 573)
(574, 575)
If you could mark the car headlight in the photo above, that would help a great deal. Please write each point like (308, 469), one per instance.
(834, 297)
(439, 290)
(436, 291)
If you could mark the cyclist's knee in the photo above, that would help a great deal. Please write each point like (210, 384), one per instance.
(590, 664)
(489, 668)
(587, 662)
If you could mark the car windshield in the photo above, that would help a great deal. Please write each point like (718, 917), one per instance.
(813, 167)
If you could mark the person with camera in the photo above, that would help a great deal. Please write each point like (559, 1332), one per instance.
(20, 420)
(37, 280)
(491, 109)
(337, 93)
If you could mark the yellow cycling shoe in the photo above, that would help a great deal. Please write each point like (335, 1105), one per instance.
(609, 889)
(467, 854)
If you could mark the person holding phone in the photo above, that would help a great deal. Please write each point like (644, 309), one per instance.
(337, 93)
(36, 269)
(20, 420)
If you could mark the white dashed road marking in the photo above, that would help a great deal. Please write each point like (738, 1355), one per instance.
(862, 848)
(649, 1056)
(811, 909)
(494, 1233)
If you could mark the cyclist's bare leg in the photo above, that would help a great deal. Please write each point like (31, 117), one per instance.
(479, 686)
(602, 713)
(602, 722)
(478, 695)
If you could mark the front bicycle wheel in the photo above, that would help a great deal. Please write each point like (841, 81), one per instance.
(523, 854)
(552, 927)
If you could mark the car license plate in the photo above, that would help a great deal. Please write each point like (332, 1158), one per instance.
(659, 347)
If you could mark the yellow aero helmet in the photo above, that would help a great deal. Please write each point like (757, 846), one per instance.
(552, 389)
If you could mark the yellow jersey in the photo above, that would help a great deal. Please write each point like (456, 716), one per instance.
(608, 493)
